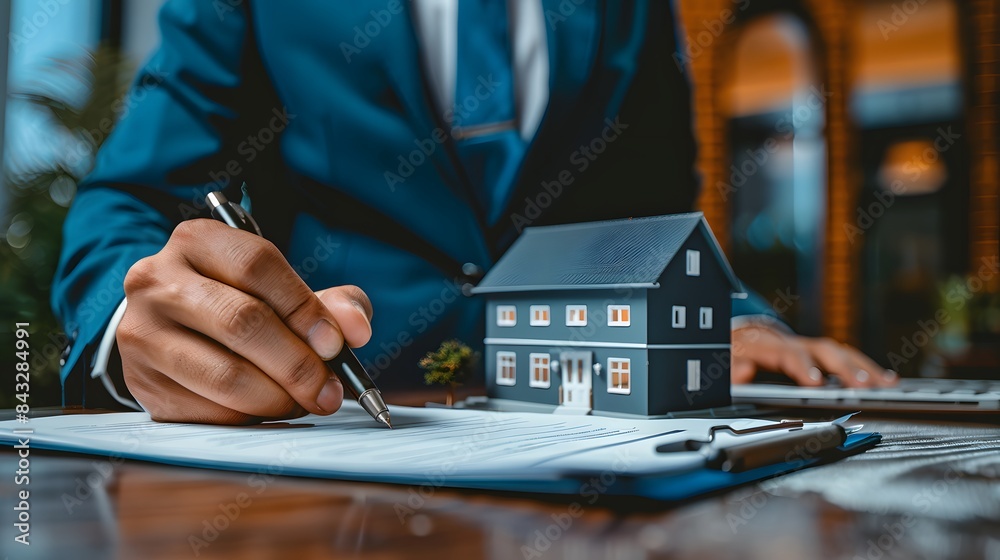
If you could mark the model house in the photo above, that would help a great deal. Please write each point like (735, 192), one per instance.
(624, 317)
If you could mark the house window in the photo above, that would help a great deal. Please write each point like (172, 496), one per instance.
(576, 315)
(705, 318)
(506, 315)
(619, 376)
(619, 315)
(539, 371)
(694, 375)
(694, 263)
(679, 317)
(539, 316)
(506, 368)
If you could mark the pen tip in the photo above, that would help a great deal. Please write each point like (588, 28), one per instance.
(383, 417)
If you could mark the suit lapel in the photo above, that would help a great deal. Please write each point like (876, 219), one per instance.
(406, 75)
(574, 37)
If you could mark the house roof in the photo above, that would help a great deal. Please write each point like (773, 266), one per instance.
(609, 254)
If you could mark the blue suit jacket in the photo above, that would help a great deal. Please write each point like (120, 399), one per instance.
(323, 109)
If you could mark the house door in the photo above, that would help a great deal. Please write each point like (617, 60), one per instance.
(576, 378)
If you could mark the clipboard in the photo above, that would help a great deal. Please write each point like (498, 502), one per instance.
(665, 460)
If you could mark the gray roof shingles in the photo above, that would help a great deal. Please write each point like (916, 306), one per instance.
(630, 252)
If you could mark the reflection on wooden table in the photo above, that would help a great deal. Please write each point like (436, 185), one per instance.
(929, 491)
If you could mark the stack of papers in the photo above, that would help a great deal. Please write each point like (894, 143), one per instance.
(442, 447)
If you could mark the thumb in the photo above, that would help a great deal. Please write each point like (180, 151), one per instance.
(352, 311)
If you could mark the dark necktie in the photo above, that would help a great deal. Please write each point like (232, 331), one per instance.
(485, 118)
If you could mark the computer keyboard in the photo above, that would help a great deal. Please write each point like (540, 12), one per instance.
(924, 395)
(955, 386)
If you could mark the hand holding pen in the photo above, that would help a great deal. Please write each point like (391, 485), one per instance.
(220, 329)
(345, 365)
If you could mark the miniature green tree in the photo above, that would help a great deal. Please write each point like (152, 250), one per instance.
(449, 365)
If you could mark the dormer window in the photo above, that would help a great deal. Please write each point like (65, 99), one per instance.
(540, 316)
(694, 263)
(506, 315)
(576, 315)
(619, 315)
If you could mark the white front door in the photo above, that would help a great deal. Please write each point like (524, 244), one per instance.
(576, 382)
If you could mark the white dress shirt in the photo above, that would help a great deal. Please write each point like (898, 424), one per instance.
(436, 23)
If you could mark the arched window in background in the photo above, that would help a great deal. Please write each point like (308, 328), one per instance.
(774, 103)
(64, 66)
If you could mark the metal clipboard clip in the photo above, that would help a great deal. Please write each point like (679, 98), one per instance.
(796, 444)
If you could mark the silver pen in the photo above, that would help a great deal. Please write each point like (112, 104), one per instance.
(345, 365)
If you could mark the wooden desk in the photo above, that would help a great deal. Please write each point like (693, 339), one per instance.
(931, 490)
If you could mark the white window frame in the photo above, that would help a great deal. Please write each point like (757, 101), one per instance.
(546, 364)
(627, 362)
(705, 318)
(678, 317)
(504, 359)
(693, 375)
(539, 322)
(693, 262)
(576, 322)
(619, 309)
(501, 309)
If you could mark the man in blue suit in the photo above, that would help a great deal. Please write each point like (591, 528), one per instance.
(393, 150)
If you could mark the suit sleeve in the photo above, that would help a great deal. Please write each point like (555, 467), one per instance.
(171, 145)
(755, 306)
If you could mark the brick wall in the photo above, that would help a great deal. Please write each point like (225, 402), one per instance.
(706, 58)
(984, 131)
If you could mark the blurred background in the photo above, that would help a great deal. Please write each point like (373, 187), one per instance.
(63, 77)
(848, 151)
(849, 159)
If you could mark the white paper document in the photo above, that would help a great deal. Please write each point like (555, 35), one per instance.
(426, 443)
